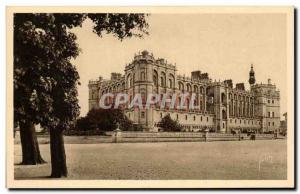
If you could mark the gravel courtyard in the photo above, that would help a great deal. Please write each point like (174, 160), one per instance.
(263, 159)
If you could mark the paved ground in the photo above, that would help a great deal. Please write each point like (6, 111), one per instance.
(263, 159)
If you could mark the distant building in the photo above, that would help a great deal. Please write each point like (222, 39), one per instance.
(222, 107)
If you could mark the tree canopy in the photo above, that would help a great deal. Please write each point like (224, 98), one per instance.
(168, 124)
(104, 120)
(45, 81)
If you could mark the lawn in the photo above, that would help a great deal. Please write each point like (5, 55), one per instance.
(227, 160)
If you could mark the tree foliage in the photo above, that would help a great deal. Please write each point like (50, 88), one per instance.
(104, 120)
(45, 80)
(168, 124)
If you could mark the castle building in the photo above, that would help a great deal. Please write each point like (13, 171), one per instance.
(221, 106)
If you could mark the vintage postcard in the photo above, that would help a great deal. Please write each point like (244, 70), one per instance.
(150, 97)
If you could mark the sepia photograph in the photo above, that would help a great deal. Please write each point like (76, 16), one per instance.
(150, 97)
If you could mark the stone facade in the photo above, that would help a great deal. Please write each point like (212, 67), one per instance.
(222, 107)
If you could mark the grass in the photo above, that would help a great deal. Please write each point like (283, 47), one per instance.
(239, 160)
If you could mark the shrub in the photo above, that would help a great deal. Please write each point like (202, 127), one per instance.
(168, 124)
(105, 120)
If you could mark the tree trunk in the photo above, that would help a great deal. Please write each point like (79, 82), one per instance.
(58, 156)
(30, 147)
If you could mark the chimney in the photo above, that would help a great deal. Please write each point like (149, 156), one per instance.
(269, 81)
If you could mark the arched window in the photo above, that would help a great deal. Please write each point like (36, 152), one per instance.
(195, 88)
(129, 80)
(155, 77)
(170, 83)
(181, 86)
(223, 98)
(163, 79)
(189, 87)
(201, 90)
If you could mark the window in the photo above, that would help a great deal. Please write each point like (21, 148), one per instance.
(177, 116)
(207, 119)
(195, 89)
(269, 101)
(273, 123)
(143, 114)
(269, 114)
(189, 87)
(162, 82)
(142, 75)
(269, 123)
(201, 118)
(240, 121)
(273, 114)
(194, 118)
(170, 83)
(180, 86)
(161, 115)
(272, 101)
(185, 117)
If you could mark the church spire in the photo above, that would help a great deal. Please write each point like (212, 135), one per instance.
(251, 76)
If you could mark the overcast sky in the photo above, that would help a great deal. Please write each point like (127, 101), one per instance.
(223, 45)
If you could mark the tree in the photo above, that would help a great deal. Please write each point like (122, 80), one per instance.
(84, 124)
(45, 81)
(168, 124)
(107, 119)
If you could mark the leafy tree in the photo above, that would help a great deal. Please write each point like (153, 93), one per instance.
(168, 124)
(84, 124)
(107, 119)
(45, 81)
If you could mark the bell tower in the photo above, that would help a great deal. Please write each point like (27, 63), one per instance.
(251, 76)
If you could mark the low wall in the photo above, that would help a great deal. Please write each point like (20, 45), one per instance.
(119, 137)
(125, 136)
(159, 137)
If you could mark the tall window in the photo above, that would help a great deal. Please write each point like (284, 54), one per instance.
(195, 89)
(170, 83)
(180, 86)
(162, 81)
(188, 87)
(155, 78)
(142, 75)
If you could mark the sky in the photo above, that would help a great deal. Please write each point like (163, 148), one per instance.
(223, 45)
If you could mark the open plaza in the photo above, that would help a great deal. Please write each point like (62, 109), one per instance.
(219, 160)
